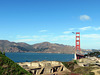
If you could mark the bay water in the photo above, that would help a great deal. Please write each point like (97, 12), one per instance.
(29, 57)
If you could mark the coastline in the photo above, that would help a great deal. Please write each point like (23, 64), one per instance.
(40, 52)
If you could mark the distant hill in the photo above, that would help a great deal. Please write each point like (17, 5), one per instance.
(8, 67)
(53, 48)
(44, 47)
(8, 46)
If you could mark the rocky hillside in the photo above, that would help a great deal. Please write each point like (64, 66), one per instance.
(44, 47)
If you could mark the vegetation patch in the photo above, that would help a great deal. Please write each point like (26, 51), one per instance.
(83, 70)
(79, 70)
(8, 67)
(69, 65)
(98, 72)
(96, 54)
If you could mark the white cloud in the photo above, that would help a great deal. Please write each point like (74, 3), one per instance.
(85, 28)
(71, 28)
(98, 28)
(24, 40)
(89, 27)
(91, 36)
(41, 36)
(43, 31)
(44, 36)
(63, 38)
(35, 36)
(87, 40)
(67, 36)
(19, 36)
(84, 17)
(67, 32)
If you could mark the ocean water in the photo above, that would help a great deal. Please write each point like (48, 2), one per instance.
(28, 57)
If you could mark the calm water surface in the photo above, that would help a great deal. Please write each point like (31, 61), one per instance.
(23, 57)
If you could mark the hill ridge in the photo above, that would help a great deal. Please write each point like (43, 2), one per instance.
(44, 47)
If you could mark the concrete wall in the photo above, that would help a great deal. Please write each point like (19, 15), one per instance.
(43, 66)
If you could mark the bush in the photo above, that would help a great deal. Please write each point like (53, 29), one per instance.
(91, 73)
(84, 70)
(75, 61)
(0, 52)
(69, 65)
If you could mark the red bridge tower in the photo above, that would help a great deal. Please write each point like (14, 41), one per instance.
(77, 41)
(78, 56)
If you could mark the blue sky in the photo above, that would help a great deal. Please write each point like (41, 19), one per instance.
(35, 21)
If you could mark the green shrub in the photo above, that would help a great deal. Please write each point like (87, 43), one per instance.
(69, 65)
(91, 73)
(12, 67)
(75, 61)
(0, 52)
(84, 70)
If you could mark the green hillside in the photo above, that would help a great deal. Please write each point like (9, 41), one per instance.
(8, 67)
